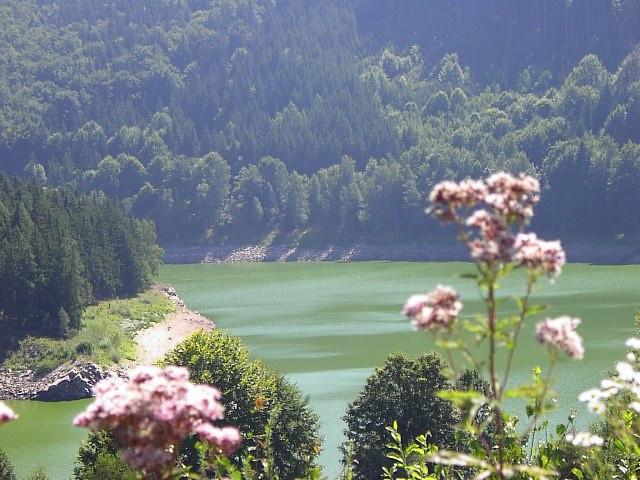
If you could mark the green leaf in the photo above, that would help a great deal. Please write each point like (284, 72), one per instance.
(462, 398)
(577, 473)
(447, 344)
(524, 391)
(534, 309)
(519, 302)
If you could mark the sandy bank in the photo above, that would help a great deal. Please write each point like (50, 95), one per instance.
(155, 341)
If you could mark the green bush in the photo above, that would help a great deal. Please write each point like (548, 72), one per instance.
(403, 390)
(39, 474)
(251, 394)
(6, 468)
(41, 355)
(109, 465)
(98, 459)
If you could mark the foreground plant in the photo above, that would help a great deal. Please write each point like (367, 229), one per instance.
(491, 216)
(152, 411)
(612, 451)
(6, 414)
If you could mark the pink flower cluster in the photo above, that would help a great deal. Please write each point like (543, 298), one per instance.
(532, 252)
(436, 310)
(512, 196)
(6, 414)
(561, 333)
(449, 196)
(509, 201)
(509, 196)
(153, 411)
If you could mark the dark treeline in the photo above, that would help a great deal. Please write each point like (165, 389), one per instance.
(60, 251)
(245, 115)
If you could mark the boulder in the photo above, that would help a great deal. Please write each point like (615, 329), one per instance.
(70, 382)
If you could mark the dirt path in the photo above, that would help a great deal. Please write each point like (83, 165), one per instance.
(155, 341)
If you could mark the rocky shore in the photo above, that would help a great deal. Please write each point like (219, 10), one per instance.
(576, 252)
(67, 382)
(75, 381)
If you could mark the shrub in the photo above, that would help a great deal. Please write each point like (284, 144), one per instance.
(402, 391)
(6, 468)
(252, 394)
(109, 465)
(84, 348)
(38, 474)
(99, 454)
(40, 354)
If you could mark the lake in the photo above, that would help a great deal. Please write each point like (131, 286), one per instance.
(326, 325)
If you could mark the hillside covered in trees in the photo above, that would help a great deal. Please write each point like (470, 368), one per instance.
(216, 117)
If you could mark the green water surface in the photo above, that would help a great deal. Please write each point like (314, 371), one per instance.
(326, 325)
(43, 437)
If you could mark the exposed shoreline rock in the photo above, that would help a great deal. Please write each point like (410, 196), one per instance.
(67, 382)
(580, 252)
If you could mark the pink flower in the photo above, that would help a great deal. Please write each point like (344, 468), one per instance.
(512, 197)
(414, 305)
(152, 411)
(491, 226)
(449, 196)
(534, 253)
(561, 333)
(491, 250)
(436, 310)
(227, 438)
(6, 414)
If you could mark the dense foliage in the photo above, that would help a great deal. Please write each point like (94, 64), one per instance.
(403, 391)
(60, 251)
(255, 398)
(98, 458)
(246, 115)
(6, 468)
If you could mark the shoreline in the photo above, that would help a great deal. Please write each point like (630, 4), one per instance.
(577, 252)
(75, 380)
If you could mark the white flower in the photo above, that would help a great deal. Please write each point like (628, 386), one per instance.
(635, 406)
(585, 439)
(633, 343)
(590, 395)
(625, 371)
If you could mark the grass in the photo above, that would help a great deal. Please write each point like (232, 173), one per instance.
(106, 336)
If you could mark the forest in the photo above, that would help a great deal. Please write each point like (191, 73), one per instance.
(59, 252)
(229, 118)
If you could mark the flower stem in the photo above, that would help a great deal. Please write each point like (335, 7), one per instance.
(523, 314)
(495, 387)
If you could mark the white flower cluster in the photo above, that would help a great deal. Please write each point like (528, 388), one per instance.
(627, 378)
(584, 439)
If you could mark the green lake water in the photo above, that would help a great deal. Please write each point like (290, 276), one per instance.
(43, 437)
(326, 325)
